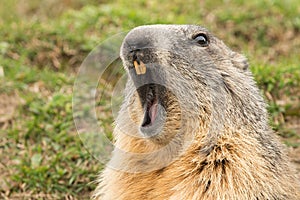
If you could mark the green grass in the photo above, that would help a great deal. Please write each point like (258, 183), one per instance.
(40, 52)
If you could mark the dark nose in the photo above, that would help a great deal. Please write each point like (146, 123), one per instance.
(137, 40)
(136, 47)
(137, 44)
(137, 52)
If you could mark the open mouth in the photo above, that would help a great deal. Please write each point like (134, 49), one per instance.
(150, 107)
(151, 96)
(149, 81)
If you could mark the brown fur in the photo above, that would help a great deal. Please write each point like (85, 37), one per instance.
(242, 159)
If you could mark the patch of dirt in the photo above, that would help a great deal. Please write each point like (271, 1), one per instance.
(8, 107)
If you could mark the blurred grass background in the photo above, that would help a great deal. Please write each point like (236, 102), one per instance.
(42, 44)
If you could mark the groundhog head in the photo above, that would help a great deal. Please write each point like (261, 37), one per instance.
(180, 76)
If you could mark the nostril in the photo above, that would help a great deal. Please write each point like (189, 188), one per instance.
(135, 48)
(137, 52)
(136, 43)
(136, 55)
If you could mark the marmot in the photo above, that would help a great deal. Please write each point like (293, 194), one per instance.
(193, 124)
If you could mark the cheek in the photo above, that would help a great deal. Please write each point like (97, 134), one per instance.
(173, 122)
(135, 109)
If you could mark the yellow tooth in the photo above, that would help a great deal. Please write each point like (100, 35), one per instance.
(143, 67)
(140, 69)
(137, 67)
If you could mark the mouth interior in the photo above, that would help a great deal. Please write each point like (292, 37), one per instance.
(151, 108)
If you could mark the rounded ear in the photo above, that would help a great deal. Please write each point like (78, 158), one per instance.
(239, 61)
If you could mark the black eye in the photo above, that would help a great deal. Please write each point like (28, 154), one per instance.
(201, 39)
